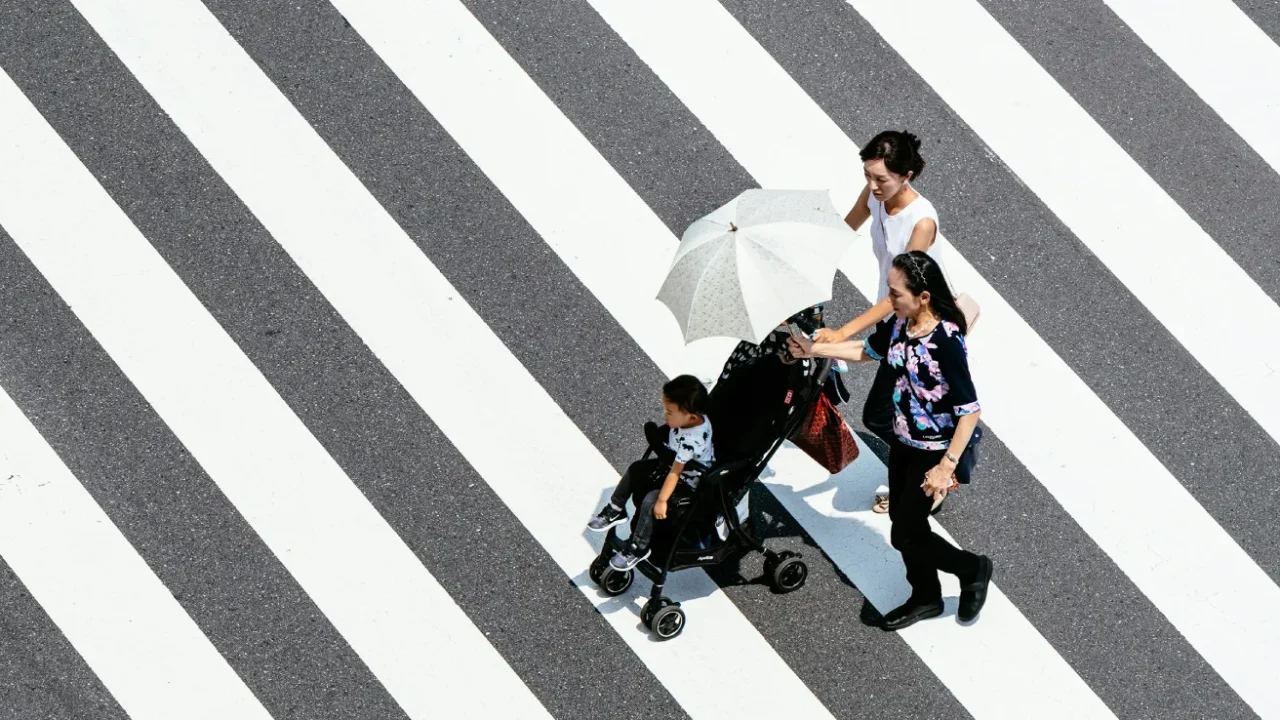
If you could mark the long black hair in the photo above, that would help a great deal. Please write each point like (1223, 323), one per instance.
(900, 151)
(924, 273)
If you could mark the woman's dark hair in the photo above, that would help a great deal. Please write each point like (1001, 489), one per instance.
(687, 393)
(924, 273)
(900, 151)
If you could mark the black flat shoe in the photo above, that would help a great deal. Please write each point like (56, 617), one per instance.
(973, 595)
(909, 614)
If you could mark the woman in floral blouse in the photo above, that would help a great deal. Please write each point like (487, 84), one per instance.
(935, 412)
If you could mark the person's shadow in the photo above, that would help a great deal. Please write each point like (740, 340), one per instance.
(851, 497)
(857, 538)
(877, 446)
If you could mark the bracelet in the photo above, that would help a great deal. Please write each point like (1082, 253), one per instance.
(948, 456)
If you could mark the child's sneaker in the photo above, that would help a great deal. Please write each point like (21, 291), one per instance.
(624, 560)
(607, 518)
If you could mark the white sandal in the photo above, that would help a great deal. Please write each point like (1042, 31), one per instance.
(881, 505)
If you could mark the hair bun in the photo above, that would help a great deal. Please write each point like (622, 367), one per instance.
(899, 149)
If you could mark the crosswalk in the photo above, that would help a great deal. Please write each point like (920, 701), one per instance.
(330, 323)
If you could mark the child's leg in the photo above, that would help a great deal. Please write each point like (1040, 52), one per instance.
(643, 531)
(637, 478)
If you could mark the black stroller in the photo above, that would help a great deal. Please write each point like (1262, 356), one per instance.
(752, 411)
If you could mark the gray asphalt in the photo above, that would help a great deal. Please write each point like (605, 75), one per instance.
(41, 675)
(287, 651)
(1265, 14)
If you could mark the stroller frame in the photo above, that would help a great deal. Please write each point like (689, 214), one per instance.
(673, 548)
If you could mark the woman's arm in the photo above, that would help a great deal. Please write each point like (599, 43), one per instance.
(964, 431)
(922, 238)
(953, 360)
(860, 212)
(939, 477)
(849, 350)
(923, 235)
(875, 314)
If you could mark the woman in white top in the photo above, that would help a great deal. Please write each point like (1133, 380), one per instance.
(902, 220)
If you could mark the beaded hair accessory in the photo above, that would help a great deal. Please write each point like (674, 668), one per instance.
(915, 267)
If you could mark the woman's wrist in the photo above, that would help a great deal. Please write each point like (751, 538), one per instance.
(821, 350)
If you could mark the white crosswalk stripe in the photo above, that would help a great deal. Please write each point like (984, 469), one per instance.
(396, 293)
(360, 573)
(116, 613)
(1207, 43)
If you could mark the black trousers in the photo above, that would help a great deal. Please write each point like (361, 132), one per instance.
(877, 411)
(924, 552)
(644, 479)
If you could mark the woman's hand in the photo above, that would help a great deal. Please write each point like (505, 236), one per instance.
(938, 479)
(660, 510)
(827, 335)
(799, 347)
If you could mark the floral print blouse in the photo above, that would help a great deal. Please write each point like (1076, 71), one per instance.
(932, 387)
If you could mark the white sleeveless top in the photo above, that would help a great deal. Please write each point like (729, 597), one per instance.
(890, 234)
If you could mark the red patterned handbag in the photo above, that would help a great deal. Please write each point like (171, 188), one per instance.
(825, 437)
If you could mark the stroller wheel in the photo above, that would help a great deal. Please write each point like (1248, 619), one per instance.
(596, 570)
(652, 607)
(788, 574)
(667, 622)
(616, 582)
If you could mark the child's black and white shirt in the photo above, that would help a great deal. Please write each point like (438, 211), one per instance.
(692, 444)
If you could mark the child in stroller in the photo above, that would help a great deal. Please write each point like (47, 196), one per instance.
(754, 408)
(684, 401)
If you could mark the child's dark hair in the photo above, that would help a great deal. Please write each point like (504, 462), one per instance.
(899, 150)
(687, 393)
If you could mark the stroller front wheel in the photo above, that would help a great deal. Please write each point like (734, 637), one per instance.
(667, 622)
(596, 570)
(615, 582)
(652, 607)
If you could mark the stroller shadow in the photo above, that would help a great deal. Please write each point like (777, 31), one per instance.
(836, 509)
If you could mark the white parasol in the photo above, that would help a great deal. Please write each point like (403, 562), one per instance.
(744, 269)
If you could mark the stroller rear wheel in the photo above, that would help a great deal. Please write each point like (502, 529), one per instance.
(616, 582)
(667, 622)
(788, 573)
